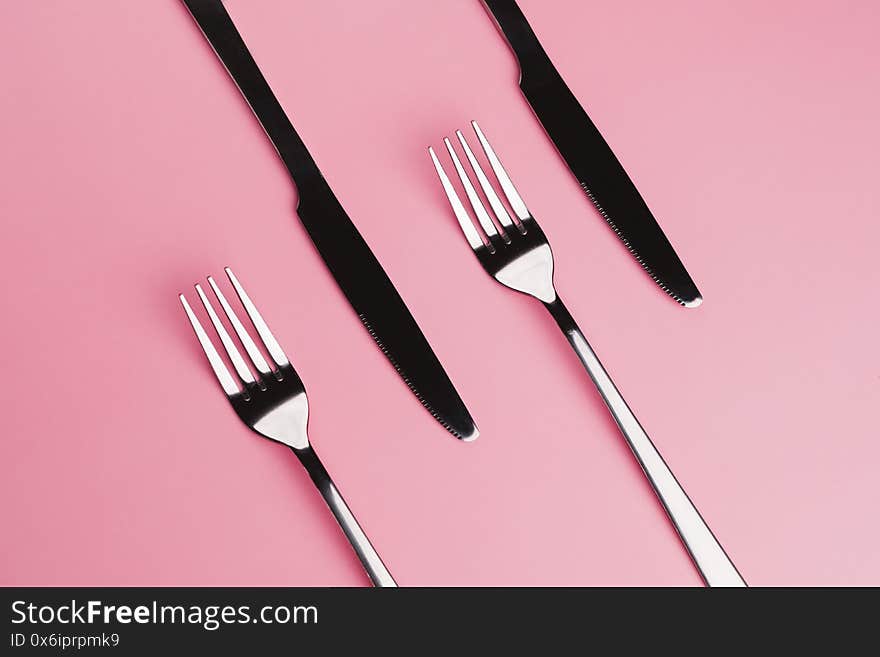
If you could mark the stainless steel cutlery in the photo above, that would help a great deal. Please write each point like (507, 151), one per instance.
(356, 270)
(268, 395)
(515, 251)
(590, 159)
(273, 403)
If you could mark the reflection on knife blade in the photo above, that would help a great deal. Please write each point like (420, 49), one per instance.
(346, 254)
(590, 158)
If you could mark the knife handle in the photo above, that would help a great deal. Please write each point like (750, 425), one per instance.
(370, 559)
(710, 558)
(519, 34)
(217, 26)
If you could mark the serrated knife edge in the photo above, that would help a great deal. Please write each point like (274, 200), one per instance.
(348, 257)
(590, 159)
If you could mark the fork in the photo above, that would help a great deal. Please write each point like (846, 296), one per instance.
(517, 254)
(274, 404)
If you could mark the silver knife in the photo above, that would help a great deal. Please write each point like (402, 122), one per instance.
(590, 158)
(352, 263)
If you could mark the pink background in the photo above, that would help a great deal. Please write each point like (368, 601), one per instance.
(131, 168)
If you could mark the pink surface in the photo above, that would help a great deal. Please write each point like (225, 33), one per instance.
(131, 168)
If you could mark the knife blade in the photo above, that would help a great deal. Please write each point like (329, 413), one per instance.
(346, 254)
(590, 159)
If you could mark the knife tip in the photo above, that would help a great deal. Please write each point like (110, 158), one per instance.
(694, 303)
(472, 436)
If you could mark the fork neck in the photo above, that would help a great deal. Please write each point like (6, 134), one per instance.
(563, 318)
(370, 559)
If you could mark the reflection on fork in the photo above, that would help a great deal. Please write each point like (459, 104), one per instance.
(516, 253)
(273, 403)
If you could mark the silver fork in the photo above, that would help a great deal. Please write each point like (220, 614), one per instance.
(274, 404)
(516, 253)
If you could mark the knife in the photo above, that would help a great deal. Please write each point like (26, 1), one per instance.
(590, 158)
(355, 268)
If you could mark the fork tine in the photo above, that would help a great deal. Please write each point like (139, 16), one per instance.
(238, 363)
(516, 202)
(476, 203)
(249, 345)
(467, 226)
(497, 206)
(259, 323)
(230, 387)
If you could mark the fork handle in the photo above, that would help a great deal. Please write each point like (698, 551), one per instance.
(711, 560)
(370, 559)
